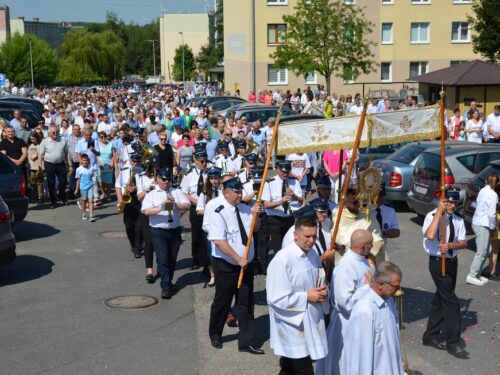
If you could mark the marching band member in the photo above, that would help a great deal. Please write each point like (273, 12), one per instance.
(281, 196)
(163, 205)
(236, 161)
(324, 190)
(192, 186)
(222, 160)
(245, 175)
(126, 185)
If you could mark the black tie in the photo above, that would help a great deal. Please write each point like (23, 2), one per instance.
(321, 236)
(379, 218)
(216, 193)
(283, 193)
(451, 237)
(243, 232)
(200, 184)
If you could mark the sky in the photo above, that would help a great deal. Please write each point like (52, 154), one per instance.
(137, 11)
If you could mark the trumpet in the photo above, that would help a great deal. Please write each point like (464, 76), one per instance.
(126, 197)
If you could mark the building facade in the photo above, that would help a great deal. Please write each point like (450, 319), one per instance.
(188, 28)
(51, 33)
(412, 37)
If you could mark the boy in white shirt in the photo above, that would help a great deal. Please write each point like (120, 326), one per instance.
(84, 182)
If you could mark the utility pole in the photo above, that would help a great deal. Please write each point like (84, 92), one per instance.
(183, 68)
(154, 56)
(31, 64)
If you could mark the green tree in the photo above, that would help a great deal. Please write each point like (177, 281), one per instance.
(206, 59)
(486, 28)
(189, 63)
(15, 60)
(212, 53)
(326, 37)
(89, 57)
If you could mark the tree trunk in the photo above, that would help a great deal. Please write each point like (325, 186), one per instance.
(328, 78)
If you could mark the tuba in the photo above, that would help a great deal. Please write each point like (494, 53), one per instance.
(126, 197)
(148, 152)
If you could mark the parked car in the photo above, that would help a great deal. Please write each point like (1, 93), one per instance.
(472, 190)
(221, 105)
(463, 160)
(7, 240)
(21, 99)
(6, 104)
(252, 112)
(13, 188)
(207, 100)
(369, 154)
(32, 118)
(397, 168)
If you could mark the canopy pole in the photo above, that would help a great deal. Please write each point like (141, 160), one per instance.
(261, 189)
(443, 173)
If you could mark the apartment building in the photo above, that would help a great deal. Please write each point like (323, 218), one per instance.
(412, 37)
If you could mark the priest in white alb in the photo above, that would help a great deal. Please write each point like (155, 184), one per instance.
(372, 333)
(298, 300)
(349, 275)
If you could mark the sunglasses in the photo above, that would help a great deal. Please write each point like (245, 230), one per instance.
(165, 179)
(54, 133)
(102, 136)
(163, 139)
(228, 134)
(202, 161)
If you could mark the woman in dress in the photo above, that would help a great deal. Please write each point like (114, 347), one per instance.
(474, 128)
(454, 125)
(211, 190)
(104, 161)
(184, 155)
(65, 130)
(36, 177)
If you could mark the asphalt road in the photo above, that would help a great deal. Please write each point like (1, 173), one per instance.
(53, 319)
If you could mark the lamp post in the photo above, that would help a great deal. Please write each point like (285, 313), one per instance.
(183, 69)
(154, 56)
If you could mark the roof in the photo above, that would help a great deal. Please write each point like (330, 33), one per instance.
(472, 73)
(464, 147)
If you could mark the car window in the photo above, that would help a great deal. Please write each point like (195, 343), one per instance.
(487, 171)
(486, 157)
(428, 167)
(264, 115)
(468, 161)
(406, 154)
(5, 166)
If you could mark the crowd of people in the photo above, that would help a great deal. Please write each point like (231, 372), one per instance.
(163, 158)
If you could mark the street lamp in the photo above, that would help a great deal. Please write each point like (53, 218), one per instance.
(154, 56)
(183, 69)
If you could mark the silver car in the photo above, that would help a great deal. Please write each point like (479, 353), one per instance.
(397, 168)
(463, 160)
(7, 240)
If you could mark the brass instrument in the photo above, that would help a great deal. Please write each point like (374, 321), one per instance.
(126, 197)
(148, 152)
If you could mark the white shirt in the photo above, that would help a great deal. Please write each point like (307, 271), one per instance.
(235, 163)
(431, 247)
(103, 127)
(297, 328)
(326, 227)
(82, 148)
(247, 181)
(223, 162)
(371, 108)
(189, 184)
(474, 137)
(348, 277)
(143, 182)
(156, 198)
(493, 122)
(389, 218)
(273, 192)
(486, 208)
(300, 162)
(124, 176)
(371, 337)
(356, 109)
(209, 209)
(224, 226)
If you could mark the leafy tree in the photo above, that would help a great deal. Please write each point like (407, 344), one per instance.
(486, 26)
(206, 59)
(189, 63)
(326, 37)
(15, 60)
(90, 57)
(212, 53)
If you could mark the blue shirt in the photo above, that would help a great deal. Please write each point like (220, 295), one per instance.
(258, 138)
(85, 176)
(211, 148)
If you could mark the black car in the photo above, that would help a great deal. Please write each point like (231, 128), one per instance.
(252, 112)
(473, 187)
(13, 188)
(7, 240)
(32, 118)
(36, 104)
(208, 100)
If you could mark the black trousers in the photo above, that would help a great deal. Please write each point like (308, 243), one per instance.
(198, 248)
(445, 311)
(278, 226)
(143, 239)
(72, 181)
(131, 219)
(59, 170)
(296, 366)
(261, 239)
(226, 285)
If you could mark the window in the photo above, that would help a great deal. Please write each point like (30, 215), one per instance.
(385, 72)
(460, 32)
(457, 62)
(468, 161)
(417, 2)
(349, 2)
(462, 1)
(311, 78)
(387, 2)
(418, 68)
(276, 33)
(276, 76)
(387, 33)
(420, 32)
(277, 2)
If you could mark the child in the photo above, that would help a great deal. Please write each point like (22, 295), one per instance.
(83, 176)
(461, 132)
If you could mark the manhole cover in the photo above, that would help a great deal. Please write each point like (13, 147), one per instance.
(113, 234)
(131, 302)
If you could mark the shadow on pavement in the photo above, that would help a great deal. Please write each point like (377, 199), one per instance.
(417, 305)
(25, 268)
(29, 230)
